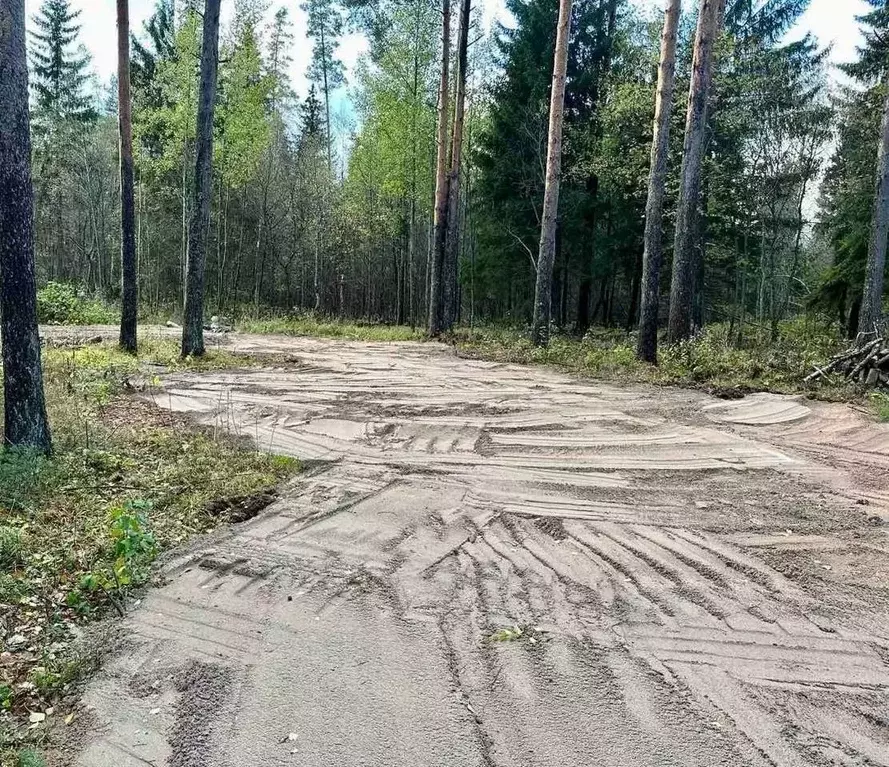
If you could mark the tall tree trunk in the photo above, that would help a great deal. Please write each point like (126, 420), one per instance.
(128, 268)
(872, 301)
(452, 244)
(329, 134)
(441, 180)
(682, 287)
(547, 254)
(25, 419)
(653, 253)
(193, 321)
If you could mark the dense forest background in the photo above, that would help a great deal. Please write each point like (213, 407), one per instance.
(307, 215)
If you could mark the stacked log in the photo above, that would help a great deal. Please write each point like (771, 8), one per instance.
(866, 363)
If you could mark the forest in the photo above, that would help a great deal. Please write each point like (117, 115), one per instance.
(678, 211)
(317, 208)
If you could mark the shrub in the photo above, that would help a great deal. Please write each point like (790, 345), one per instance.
(60, 303)
(29, 758)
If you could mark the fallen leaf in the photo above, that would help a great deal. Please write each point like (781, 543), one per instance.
(69, 718)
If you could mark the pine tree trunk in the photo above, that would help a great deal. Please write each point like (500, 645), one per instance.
(654, 211)
(872, 302)
(128, 268)
(547, 254)
(450, 309)
(682, 287)
(441, 181)
(193, 321)
(25, 410)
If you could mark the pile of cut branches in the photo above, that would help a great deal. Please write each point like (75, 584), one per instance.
(866, 362)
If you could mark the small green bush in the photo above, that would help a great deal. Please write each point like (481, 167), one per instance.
(30, 758)
(60, 303)
(881, 401)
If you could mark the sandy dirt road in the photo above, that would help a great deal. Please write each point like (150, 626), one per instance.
(685, 581)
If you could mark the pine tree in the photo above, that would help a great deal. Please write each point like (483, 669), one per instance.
(60, 67)
(25, 411)
(540, 325)
(450, 293)
(129, 274)
(193, 314)
(654, 212)
(687, 234)
(325, 26)
(440, 211)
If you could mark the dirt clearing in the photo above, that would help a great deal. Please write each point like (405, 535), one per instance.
(494, 565)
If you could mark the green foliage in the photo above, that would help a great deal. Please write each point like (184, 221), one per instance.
(23, 475)
(508, 634)
(30, 758)
(881, 402)
(312, 325)
(128, 558)
(61, 303)
(10, 547)
(60, 68)
(713, 360)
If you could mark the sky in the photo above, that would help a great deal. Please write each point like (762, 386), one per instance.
(831, 21)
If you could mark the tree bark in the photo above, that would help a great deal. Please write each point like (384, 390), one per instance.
(441, 180)
(653, 253)
(682, 287)
(872, 300)
(128, 267)
(25, 419)
(543, 291)
(450, 308)
(193, 321)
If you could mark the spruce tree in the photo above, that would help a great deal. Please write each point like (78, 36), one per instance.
(60, 67)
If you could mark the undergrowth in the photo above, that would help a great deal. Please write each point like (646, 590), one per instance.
(710, 360)
(60, 303)
(79, 530)
(317, 325)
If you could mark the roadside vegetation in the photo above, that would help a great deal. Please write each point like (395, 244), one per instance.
(722, 358)
(80, 529)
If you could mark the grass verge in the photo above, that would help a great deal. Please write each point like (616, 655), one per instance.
(314, 325)
(79, 530)
(709, 361)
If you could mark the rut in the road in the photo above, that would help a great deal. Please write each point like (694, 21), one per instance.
(661, 560)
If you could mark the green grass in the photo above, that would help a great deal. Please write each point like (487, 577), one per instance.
(79, 530)
(313, 325)
(881, 404)
(709, 361)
